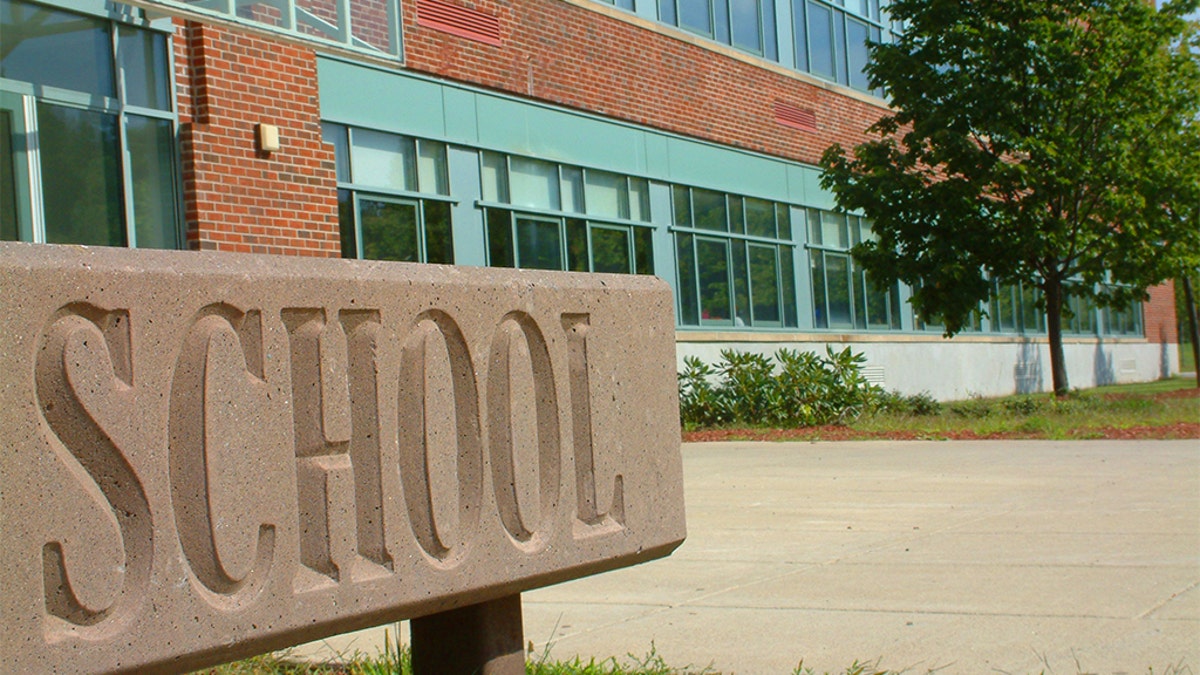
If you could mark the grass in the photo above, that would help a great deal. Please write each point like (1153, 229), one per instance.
(1094, 413)
(1187, 359)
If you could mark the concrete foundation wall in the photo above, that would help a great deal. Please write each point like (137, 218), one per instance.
(954, 369)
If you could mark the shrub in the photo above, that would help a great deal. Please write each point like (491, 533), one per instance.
(794, 389)
(915, 405)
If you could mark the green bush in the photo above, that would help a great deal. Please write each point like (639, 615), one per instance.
(914, 405)
(794, 389)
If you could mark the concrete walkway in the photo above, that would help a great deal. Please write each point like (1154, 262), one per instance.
(954, 557)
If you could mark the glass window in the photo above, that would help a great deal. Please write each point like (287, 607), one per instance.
(747, 25)
(611, 250)
(150, 143)
(572, 189)
(607, 195)
(372, 25)
(843, 294)
(389, 229)
(820, 40)
(494, 176)
(81, 176)
(383, 160)
(696, 16)
(857, 36)
(143, 57)
(89, 158)
(55, 48)
(375, 225)
(539, 244)
(533, 183)
(755, 275)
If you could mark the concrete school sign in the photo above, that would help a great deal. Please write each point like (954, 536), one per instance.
(205, 456)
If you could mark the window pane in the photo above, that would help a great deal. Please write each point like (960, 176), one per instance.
(335, 135)
(8, 179)
(383, 160)
(143, 57)
(787, 272)
(639, 199)
(712, 258)
(371, 25)
(1031, 316)
(606, 195)
(747, 28)
(741, 285)
(839, 45)
(770, 46)
(610, 251)
(820, 314)
(799, 34)
(50, 47)
(710, 210)
(837, 278)
(431, 168)
(783, 221)
(814, 228)
(572, 189)
(533, 183)
(666, 11)
(439, 238)
(500, 245)
(265, 12)
(834, 230)
(720, 11)
(577, 246)
(877, 305)
(346, 224)
(856, 45)
(319, 18)
(689, 313)
(389, 230)
(694, 15)
(151, 158)
(760, 218)
(539, 244)
(764, 281)
(682, 201)
(820, 40)
(737, 216)
(643, 250)
(81, 176)
(494, 178)
(1004, 315)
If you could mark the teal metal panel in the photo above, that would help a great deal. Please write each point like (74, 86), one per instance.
(469, 245)
(784, 32)
(658, 160)
(711, 166)
(378, 99)
(663, 240)
(461, 118)
(647, 9)
(801, 265)
(814, 195)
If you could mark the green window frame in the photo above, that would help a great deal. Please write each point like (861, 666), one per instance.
(393, 195)
(95, 91)
(734, 260)
(545, 215)
(746, 25)
(844, 296)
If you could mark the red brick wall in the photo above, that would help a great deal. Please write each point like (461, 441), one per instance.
(1159, 314)
(236, 197)
(561, 53)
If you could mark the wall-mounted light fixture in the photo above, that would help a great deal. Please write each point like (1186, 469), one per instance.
(268, 137)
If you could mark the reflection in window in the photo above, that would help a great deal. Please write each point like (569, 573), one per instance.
(393, 196)
(364, 25)
(735, 260)
(89, 157)
(831, 38)
(551, 216)
(748, 25)
(844, 296)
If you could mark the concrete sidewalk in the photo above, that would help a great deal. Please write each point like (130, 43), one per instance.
(959, 557)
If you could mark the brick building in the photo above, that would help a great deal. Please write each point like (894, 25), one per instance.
(667, 137)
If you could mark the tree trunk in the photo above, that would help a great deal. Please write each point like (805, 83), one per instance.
(1193, 320)
(1058, 363)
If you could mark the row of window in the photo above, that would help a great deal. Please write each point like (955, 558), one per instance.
(829, 37)
(734, 255)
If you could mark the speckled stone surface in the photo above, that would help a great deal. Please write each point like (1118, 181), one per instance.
(207, 456)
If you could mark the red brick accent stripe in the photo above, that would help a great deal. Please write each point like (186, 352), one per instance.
(461, 21)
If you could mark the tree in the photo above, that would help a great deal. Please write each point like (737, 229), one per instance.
(1031, 141)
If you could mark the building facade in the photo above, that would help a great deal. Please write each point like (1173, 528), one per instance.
(669, 137)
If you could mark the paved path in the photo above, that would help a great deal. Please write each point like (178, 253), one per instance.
(954, 557)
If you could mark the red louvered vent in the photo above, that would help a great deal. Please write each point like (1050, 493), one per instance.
(461, 21)
(804, 119)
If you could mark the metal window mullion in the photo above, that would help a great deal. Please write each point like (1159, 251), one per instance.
(344, 30)
(516, 246)
(422, 247)
(33, 159)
